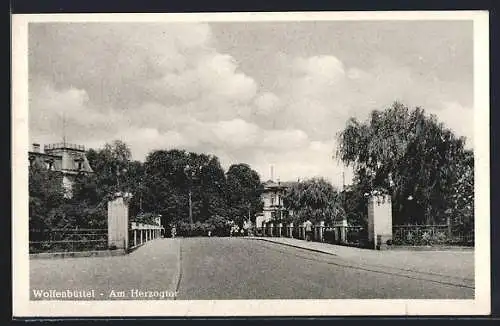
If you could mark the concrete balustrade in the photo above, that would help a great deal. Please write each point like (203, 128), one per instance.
(340, 230)
(145, 232)
(118, 225)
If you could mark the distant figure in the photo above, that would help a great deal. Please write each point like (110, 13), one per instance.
(308, 226)
(174, 231)
(209, 233)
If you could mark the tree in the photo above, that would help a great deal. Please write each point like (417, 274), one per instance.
(463, 192)
(410, 154)
(170, 176)
(111, 165)
(315, 200)
(244, 190)
(46, 194)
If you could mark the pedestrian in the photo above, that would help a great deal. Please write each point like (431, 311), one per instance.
(173, 232)
(308, 226)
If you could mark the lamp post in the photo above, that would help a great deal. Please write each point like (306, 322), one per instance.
(188, 170)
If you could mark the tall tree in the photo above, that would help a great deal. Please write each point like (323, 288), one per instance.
(111, 167)
(170, 176)
(46, 194)
(411, 154)
(314, 199)
(244, 190)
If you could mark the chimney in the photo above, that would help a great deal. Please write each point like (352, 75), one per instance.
(36, 148)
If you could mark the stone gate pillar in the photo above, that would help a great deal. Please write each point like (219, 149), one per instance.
(379, 221)
(118, 221)
(340, 229)
(322, 231)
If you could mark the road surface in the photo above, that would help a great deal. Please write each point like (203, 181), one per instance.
(241, 268)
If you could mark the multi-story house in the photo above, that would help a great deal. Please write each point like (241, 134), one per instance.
(69, 159)
(272, 198)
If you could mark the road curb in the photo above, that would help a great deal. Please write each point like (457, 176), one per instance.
(295, 246)
(78, 254)
(176, 281)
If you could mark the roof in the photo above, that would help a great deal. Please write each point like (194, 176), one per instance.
(67, 161)
(269, 184)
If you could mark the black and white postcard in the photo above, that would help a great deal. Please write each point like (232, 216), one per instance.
(251, 164)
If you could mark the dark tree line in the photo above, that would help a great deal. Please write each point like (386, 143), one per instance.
(162, 184)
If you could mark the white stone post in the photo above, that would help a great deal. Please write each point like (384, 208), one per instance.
(343, 231)
(321, 231)
(135, 238)
(379, 221)
(279, 229)
(118, 221)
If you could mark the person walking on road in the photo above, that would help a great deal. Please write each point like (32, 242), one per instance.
(308, 227)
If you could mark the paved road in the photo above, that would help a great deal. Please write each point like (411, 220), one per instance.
(241, 268)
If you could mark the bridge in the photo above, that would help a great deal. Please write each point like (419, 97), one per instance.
(151, 266)
(216, 268)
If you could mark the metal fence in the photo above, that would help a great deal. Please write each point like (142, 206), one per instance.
(403, 235)
(425, 235)
(356, 235)
(67, 240)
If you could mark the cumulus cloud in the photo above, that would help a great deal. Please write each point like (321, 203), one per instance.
(267, 103)
(160, 86)
(459, 119)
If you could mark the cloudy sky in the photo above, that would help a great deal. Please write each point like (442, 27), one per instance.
(261, 93)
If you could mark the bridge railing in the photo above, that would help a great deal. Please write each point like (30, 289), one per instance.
(140, 233)
(424, 235)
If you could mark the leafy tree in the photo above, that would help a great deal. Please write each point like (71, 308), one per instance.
(411, 154)
(46, 194)
(244, 190)
(314, 199)
(111, 164)
(165, 185)
(171, 175)
(463, 192)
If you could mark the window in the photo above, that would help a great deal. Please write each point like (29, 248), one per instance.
(49, 164)
(79, 163)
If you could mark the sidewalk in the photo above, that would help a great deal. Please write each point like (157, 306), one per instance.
(453, 264)
(153, 266)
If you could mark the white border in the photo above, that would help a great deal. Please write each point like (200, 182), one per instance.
(22, 307)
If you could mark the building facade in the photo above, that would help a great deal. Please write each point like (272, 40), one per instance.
(272, 198)
(69, 159)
